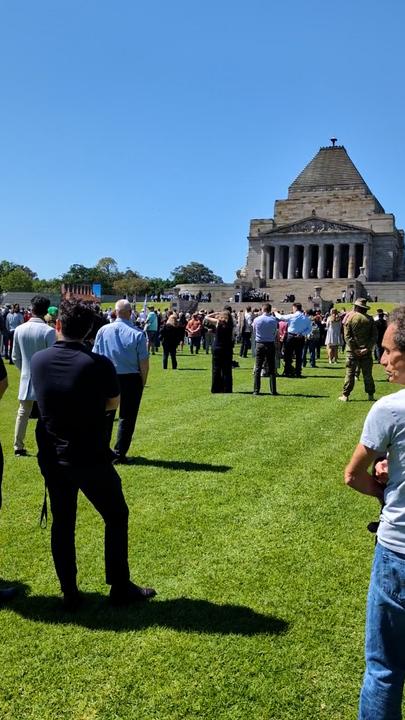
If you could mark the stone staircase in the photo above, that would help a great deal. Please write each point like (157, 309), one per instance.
(331, 289)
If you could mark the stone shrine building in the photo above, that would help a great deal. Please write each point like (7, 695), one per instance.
(330, 226)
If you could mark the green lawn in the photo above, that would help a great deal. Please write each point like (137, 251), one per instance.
(240, 519)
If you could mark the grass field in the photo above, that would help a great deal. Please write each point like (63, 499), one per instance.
(240, 519)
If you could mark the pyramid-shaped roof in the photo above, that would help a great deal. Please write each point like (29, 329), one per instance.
(330, 169)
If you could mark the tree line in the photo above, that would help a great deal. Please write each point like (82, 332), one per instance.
(113, 281)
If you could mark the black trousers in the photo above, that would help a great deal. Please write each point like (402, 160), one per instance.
(131, 390)
(245, 344)
(265, 352)
(221, 371)
(101, 484)
(1, 471)
(10, 345)
(169, 350)
(293, 346)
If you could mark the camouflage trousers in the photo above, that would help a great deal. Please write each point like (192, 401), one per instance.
(365, 364)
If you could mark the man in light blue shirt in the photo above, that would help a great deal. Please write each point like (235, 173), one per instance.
(265, 332)
(299, 326)
(384, 433)
(29, 338)
(125, 346)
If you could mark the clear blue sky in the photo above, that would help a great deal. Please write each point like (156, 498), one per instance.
(154, 131)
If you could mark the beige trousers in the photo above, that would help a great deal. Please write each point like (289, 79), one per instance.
(23, 415)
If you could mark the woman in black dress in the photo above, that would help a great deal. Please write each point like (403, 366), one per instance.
(170, 338)
(222, 352)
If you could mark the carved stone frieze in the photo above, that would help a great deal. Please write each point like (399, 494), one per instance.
(315, 225)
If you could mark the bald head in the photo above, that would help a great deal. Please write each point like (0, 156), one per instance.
(123, 309)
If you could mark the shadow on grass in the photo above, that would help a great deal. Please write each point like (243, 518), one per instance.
(305, 395)
(182, 614)
(323, 377)
(189, 369)
(178, 464)
(280, 394)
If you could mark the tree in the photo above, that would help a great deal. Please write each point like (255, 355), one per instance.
(156, 285)
(194, 272)
(78, 273)
(130, 283)
(17, 280)
(108, 265)
(6, 267)
(47, 287)
(82, 274)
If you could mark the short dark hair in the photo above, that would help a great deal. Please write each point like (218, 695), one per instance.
(298, 306)
(76, 318)
(266, 307)
(40, 305)
(397, 317)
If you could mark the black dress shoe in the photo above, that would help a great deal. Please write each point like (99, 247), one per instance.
(130, 594)
(20, 453)
(119, 459)
(7, 594)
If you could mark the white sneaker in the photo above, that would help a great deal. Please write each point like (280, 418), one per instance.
(343, 398)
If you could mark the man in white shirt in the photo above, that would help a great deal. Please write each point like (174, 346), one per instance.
(30, 337)
(299, 326)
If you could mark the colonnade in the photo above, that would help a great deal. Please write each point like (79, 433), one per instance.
(310, 260)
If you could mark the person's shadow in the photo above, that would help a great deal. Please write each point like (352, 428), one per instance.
(186, 465)
(182, 614)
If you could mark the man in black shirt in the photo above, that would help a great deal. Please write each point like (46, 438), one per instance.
(381, 325)
(74, 389)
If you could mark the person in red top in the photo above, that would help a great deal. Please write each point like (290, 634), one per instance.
(194, 331)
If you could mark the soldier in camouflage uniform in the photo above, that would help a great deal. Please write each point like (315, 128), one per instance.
(360, 336)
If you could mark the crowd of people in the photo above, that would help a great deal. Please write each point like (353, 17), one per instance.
(79, 366)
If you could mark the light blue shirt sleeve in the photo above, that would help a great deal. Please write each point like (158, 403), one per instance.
(378, 428)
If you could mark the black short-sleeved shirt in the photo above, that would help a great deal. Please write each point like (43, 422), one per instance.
(72, 386)
(3, 371)
(223, 336)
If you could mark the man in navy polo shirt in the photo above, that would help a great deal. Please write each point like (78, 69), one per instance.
(74, 389)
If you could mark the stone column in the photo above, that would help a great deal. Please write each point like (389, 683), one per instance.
(263, 263)
(336, 261)
(305, 264)
(291, 262)
(351, 270)
(366, 259)
(267, 263)
(276, 266)
(321, 262)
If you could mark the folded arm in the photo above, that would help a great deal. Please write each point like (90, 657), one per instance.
(357, 475)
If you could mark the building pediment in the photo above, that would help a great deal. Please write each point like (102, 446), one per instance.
(315, 225)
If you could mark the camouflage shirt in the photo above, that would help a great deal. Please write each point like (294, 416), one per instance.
(360, 332)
